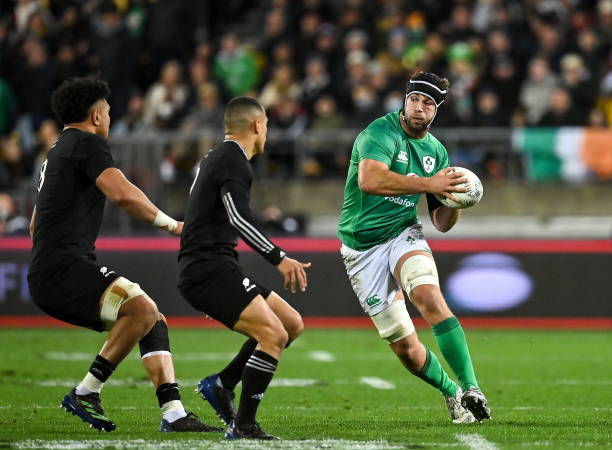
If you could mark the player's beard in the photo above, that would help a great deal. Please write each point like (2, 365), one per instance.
(418, 127)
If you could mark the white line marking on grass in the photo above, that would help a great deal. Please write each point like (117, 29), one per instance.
(321, 356)
(567, 382)
(79, 356)
(339, 444)
(72, 356)
(293, 382)
(476, 441)
(134, 382)
(377, 383)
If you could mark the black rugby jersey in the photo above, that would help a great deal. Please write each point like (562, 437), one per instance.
(69, 205)
(218, 210)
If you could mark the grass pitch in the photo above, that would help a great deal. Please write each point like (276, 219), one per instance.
(333, 389)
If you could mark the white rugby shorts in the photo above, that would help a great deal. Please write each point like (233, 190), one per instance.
(371, 271)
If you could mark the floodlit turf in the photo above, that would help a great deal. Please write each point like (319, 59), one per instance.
(546, 389)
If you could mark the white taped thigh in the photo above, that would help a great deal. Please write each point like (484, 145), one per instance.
(394, 323)
(418, 270)
(118, 292)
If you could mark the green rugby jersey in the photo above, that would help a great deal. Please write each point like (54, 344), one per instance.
(367, 220)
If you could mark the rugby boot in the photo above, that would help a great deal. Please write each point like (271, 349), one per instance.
(221, 399)
(190, 422)
(457, 412)
(253, 431)
(475, 402)
(89, 409)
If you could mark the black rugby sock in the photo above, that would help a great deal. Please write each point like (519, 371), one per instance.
(231, 374)
(99, 371)
(256, 377)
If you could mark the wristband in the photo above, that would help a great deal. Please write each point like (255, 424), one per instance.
(164, 222)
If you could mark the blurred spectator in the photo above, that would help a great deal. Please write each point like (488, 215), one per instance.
(234, 68)
(459, 28)
(33, 90)
(10, 222)
(281, 87)
(391, 57)
(315, 83)
(561, 111)
(357, 74)
(352, 17)
(208, 112)
(47, 134)
(577, 80)
(12, 163)
(288, 118)
(393, 101)
(199, 74)
(132, 122)
(308, 33)
(326, 48)
(199, 130)
(356, 40)
(325, 155)
(505, 78)
(366, 106)
(170, 30)
(550, 42)
(604, 21)
(463, 78)
(69, 64)
(435, 60)
(274, 32)
(378, 79)
(165, 101)
(537, 89)
(488, 111)
(597, 119)
(282, 55)
(591, 51)
(113, 54)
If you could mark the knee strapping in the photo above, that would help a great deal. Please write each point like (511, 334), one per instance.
(156, 342)
(418, 270)
(394, 323)
(119, 292)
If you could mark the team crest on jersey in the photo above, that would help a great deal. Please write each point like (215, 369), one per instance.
(429, 163)
(248, 285)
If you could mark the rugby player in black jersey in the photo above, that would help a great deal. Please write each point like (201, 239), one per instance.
(210, 279)
(65, 280)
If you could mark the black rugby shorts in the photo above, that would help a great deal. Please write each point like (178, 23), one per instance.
(72, 293)
(222, 291)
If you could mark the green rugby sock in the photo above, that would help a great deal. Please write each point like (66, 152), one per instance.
(433, 373)
(453, 345)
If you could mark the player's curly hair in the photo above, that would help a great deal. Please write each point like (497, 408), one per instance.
(432, 78)
(72, 101)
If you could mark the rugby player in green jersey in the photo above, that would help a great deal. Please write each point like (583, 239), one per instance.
(395, 160)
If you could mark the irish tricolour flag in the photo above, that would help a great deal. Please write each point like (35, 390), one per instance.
(572, 154)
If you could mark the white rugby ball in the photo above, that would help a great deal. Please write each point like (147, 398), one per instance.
(466, 199)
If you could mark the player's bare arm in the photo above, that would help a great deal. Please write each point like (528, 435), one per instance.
(118, 189)
(377, 179)
(293, 273)
(444, 218)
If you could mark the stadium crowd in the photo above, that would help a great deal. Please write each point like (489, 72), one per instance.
(314, 64)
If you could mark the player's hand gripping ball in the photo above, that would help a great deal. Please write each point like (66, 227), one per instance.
(466, 199)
